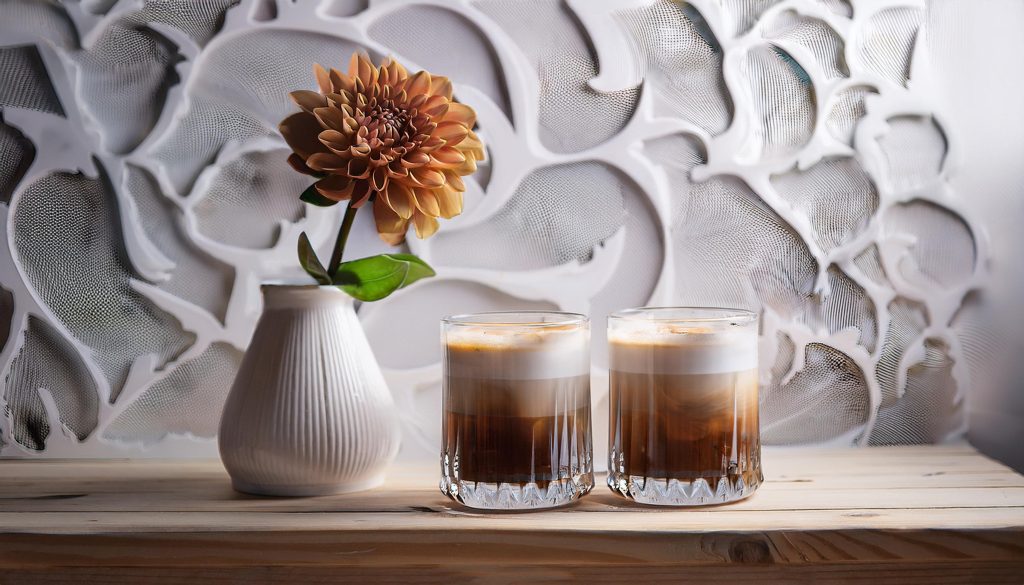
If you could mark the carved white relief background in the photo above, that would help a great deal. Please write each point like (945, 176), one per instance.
(787, 156)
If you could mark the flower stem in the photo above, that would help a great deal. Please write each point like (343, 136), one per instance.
(339, 244)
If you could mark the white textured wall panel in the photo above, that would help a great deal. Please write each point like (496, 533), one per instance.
(811, 159)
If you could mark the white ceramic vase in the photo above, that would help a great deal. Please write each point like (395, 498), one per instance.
(309, 413)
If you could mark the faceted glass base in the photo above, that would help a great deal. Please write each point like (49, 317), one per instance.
(674, 492)
(518, 496)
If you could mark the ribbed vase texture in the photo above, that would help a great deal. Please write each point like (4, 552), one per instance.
(309, 412)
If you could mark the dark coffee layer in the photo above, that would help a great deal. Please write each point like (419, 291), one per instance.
(517, 431)
(684, 426)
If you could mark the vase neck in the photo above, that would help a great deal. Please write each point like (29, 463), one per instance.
(277, 296)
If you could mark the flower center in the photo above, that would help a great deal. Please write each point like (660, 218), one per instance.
(390, 122)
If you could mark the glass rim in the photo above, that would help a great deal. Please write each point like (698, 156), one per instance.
(671, 314)
(495, 319)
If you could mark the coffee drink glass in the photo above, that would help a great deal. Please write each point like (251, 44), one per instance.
(516, 412)
(683, 405)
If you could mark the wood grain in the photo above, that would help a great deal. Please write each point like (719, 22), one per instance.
(939, 514)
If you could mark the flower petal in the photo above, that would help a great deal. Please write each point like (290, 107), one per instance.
(460, 113)
(401, 97)
(359, 150)
(353, 65)
(419, 84)
(476, 154)
(339, 82)
(342, 100)
(415, 160)
(451, 132)
(442, 86)
(437, 112)
(361, 194)
(379, 179)
(380, 157)
(431, 144)
(398, 74)
(426, 202)
(300, 131)
(453, 180)
(417, 101)
(350, 124)
(330, 117)
(326, 162)
(396, 170)
(358, 168)
(473, 141)
(390, 226)
(343, 152)
(449, 201)
(362, 68)
(393, 239)
(334, 140)
(299, 165)
(323, 78)
(466, 168)
(336, 187)
(427, 177)
(425, 225)
(400, 199)
(308, 100)
(447, 157)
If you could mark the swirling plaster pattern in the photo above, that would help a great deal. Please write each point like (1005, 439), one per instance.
(778, 156)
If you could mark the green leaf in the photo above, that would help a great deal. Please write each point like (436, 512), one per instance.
(373, 278)
(309, 261)
(311, 195)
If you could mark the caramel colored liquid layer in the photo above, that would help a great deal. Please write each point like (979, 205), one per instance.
(684, 426)
(517, 431)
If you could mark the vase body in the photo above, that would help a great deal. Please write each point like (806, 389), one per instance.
(309, 412)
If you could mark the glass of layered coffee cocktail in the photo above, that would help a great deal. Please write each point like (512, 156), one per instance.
(516, 428)
(683, 399)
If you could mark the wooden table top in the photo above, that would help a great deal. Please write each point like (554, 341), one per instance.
(936, 514)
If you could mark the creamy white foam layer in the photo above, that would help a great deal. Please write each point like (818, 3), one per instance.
(517, 353)
(675, 350)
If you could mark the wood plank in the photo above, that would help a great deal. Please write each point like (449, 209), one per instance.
(219, 497)
(15, 481)
(566, 520)
(438, 573)
(370, 547)
(936, 514)
(819, 479)
(497, 557)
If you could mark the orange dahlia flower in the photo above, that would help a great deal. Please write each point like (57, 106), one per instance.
(378, 134)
